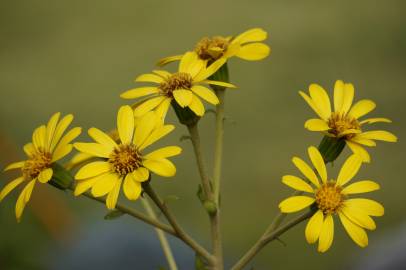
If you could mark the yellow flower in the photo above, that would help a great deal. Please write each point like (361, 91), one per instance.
(332, 197)
(246, 46)
(124, 162)
(48, 146)
(344, 121)
(183, 86)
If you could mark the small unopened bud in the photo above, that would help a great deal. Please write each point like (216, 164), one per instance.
(210, 207)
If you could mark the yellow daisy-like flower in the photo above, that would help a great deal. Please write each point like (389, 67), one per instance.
(123, 162)
(344, 121)
(48, 146)
(246, 46)
(183, 86)
(332, 197)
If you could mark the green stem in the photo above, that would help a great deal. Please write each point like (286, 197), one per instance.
(214, 215)
(218, 150)
(161, 236)
(172, 220)
(267, 238)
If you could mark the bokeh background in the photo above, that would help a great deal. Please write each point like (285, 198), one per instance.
(78, 56)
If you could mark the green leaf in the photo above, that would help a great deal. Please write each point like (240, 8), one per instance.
(113, 215)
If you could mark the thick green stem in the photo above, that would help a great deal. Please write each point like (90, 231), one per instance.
(161, 237)
(172, 220)
(209, 195)
(267, 238)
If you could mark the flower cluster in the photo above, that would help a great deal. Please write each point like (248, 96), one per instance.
(120, 160)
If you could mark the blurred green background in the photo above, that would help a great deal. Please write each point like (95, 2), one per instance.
(78, 56)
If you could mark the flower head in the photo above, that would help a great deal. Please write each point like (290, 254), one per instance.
(344, 122)
(124, 161)
(246, 46)
(49, 144)
(184, 87)
(332, 197)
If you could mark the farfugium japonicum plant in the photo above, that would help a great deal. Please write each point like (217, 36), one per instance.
(126, 161)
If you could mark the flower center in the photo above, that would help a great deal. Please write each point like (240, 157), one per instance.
(340, 123)
(211, 48)
(180, 80)
(329, 198)
(125, 159)
(40, 161)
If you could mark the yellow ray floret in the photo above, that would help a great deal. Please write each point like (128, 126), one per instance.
(332, 197)
(49, 144)
(247, 46)
(123, 162)
(186, 87)
(343, 122)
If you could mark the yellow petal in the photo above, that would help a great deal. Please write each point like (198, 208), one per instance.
(359, 150)
(105, 184)
(84, 185)
(320, 99)
(370, 207)
(358, 139)
(69, 136)
(251, 35)
(197, 106)
(295, 203)
(348, 96)
(162, 167)
(15, 165)
(361, 108)
(313, 227)
(61, 151)
(125, 124)
(205, 94)
(296, 183)
(361, 187)
(45, 175)
(141, 174)
(338, 95)
(93, 169)
(359, 217)
(312, 105)
(210, 70)
(10, 186)
(318, 162)
(349, 169)
(157, 134)
(38, 137)
(375, 120)
(326, 234)
(29, 149)
(50, 130)
(24, 198)
(94, 149)
(102, 138)
(253, 51)
(162, 109)
(380, 135)
(139, 92)
(132, 189)
(183, 97)
(149, 78)
(316, 125)
(357, 234)
(148, 105)
(163, 73)
(164, 152)
(187, 59)
(112, 197)
(219, 83)
(306, 170)
(60, 129)
(145, 127)
(169, 59)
